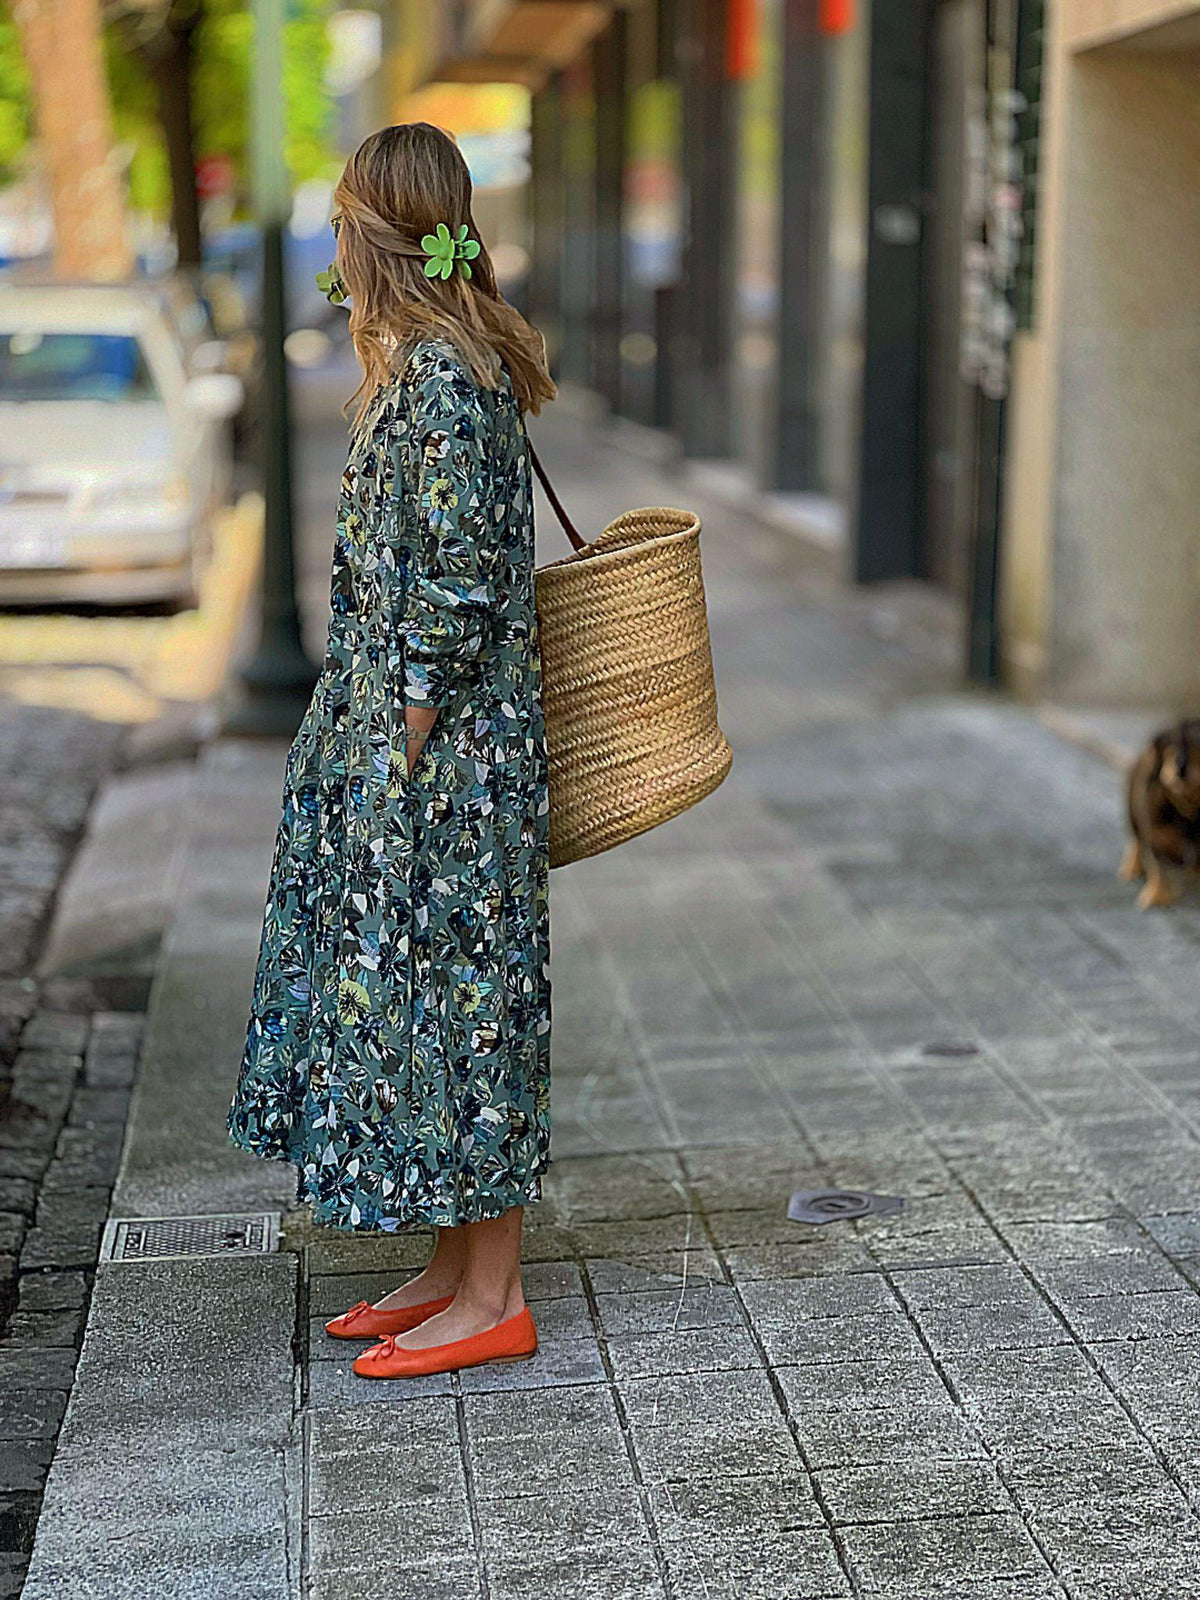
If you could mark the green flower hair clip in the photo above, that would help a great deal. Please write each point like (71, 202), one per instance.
(445, 252)
(331, 286)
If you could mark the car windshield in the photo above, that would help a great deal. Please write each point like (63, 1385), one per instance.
(73, 366)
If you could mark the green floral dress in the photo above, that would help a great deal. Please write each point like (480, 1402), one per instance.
(398, 1045)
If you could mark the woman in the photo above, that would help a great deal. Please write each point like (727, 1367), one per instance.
(398, 1047)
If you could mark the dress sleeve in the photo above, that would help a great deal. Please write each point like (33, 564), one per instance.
(450, 597)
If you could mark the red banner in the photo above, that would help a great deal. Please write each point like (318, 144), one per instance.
(741, 40)
(837, 16)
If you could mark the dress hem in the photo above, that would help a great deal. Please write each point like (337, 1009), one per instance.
(326, 1215)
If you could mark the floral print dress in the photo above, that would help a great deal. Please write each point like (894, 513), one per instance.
(397, 1050)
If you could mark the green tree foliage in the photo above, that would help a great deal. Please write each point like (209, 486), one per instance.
(14, 99)
(135, 126)
(221, 80)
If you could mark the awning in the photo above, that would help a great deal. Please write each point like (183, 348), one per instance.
(520, 41)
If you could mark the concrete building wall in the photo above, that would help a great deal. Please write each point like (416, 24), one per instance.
(1126, 571)
(1087, 23)
(1102, 573)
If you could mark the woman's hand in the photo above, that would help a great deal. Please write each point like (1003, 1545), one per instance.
(418, 725)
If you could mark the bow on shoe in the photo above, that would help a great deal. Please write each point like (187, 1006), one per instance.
(386, 1348)
(355, 1312)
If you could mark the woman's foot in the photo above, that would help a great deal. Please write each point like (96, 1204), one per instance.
(466, 1317)
(438, 1281)
(405, 1308)
(489, 1301)
(365, 1321)
(514, 1339)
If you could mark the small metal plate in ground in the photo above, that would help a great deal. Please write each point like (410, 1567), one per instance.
(176, 1238)
(951, 1049)
(819, 1206)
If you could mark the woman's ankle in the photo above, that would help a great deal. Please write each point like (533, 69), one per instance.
(491, 1303)
(442, 1278)
(437, 1281)
(444, 1270)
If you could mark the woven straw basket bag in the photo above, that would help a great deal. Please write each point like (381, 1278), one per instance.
(627, 680)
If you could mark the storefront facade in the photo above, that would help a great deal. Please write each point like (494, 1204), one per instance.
(894, 263)
(1101, 566)
(745, 235)
(712, 152)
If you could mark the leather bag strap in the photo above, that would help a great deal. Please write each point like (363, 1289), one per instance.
(560, 511)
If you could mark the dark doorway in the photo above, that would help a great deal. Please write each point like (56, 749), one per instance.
(887, 530)
(928, 185)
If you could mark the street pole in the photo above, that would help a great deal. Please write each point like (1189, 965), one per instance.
(1002, 243)
(279, 680)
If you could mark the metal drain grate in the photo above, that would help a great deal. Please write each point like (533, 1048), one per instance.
(818, 1206)
(174, 1238)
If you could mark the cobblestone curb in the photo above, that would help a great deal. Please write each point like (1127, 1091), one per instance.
(68, 1049)
(60, 1143)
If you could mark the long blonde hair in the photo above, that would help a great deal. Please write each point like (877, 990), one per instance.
(397, 186)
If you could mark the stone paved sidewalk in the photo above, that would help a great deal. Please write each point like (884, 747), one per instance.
(890, 954)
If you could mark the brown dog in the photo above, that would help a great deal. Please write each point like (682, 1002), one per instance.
(1164, 813)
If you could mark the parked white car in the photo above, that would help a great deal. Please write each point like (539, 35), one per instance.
(114, 444)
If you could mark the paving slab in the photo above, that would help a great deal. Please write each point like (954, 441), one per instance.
(831, 1436)
(859, 1383)
(529, 1443)
(1021, 1323)
(997, 1284)
(913, 1489)
(333, 1384)
(410, 1453)
(983, 1376)
(1081, 1420)
(407, 1550)
(633, 1271)
(707, 1424)
(1150, 1315)
(686, 1350)
(941, 1554)
(562, 1522)
(197, 1020)
(696, 1305)
(559, 1364)
(599, 1572)
(738, 1564)
(1134, 1581)
(175, 1456)
(792, 1340)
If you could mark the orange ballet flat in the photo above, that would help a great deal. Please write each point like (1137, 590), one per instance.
(514, 1340)
(363, 1321)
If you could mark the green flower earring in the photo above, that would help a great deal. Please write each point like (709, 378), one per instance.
(446, 252)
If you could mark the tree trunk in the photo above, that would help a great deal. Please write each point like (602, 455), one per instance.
(168, 59)
(61, 41)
